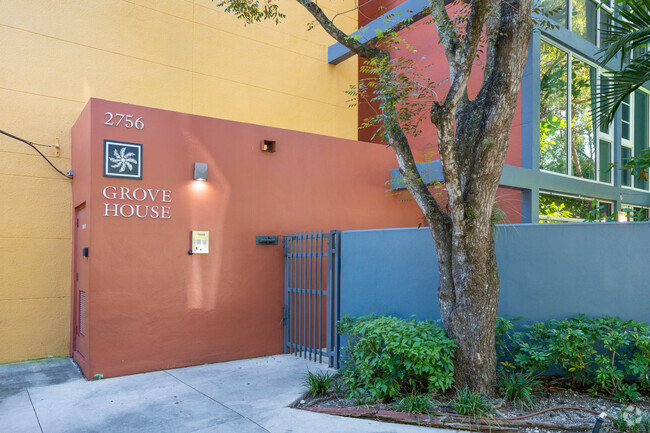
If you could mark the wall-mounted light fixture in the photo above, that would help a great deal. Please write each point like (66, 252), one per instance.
(200, 171)
(268, 146)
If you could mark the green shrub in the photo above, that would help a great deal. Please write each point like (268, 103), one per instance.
(502, 337)
(318, 383)
(599, 353)
(471, 403)
(531, 348)
(387, 357)
(518, 386)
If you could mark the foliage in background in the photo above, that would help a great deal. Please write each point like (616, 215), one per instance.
(387, 357)
(563, 208)
(548, 207)
(598, 213)
(637, 214)
(599, 353)
(578, 208)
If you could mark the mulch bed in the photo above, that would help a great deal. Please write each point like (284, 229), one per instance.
(560, 408)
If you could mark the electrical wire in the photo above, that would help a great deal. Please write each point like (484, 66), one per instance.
(528, 415)
(33, 146)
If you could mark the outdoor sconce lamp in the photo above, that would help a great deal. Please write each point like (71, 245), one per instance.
(268, 146)
(200, 171)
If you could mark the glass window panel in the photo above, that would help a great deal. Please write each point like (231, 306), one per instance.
(560, 8)
(554, 208)
(625, 119)
(604, 159)
(605, 21)
(553, 109)
(626, 154)
(584, 19)
(558, 208)
(640, 131)
(583, 145)
(604, 87)
(605, 209)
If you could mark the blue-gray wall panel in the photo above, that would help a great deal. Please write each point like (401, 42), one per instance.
(390, 271)
(547, 271)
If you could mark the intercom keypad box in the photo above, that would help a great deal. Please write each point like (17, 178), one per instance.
(200, 242)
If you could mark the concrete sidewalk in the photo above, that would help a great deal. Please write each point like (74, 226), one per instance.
(239, 396)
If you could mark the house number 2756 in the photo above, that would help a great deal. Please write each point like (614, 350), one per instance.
(114, 119)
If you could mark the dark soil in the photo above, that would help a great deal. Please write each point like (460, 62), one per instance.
(554, 392)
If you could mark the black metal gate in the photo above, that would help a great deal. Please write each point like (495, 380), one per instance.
(311, 295)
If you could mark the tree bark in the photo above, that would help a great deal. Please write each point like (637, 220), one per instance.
(470, 316)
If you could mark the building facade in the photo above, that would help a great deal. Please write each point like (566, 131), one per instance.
(561, 165)
(187, 56)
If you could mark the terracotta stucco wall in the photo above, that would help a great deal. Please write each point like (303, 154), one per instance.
(151, 305)
(173, 54)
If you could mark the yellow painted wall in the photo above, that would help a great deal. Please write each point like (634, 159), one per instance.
(180, 55)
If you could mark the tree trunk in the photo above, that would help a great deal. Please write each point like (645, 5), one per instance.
(469, 317)
(469, 295)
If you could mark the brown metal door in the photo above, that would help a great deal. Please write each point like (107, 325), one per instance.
(81, 253)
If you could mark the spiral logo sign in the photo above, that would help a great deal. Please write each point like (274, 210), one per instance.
(122, 159)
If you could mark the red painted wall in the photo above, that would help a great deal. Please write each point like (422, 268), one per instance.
(152, 306)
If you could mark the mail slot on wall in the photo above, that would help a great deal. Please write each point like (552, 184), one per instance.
(266, 240)
(200, 242)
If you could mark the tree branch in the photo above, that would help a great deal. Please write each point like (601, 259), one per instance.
(459, 56)
(445, 29)
(363, 50)
(465, 59)
(510, 44)
(492, 32)
(497, 100)
(412, 178)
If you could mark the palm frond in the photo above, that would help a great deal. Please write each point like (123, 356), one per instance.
(628, 30)
(618, 86)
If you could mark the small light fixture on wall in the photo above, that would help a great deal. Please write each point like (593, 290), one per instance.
(268, 146)
(201, 171)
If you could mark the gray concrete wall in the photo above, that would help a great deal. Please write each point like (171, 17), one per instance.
(547, 271)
